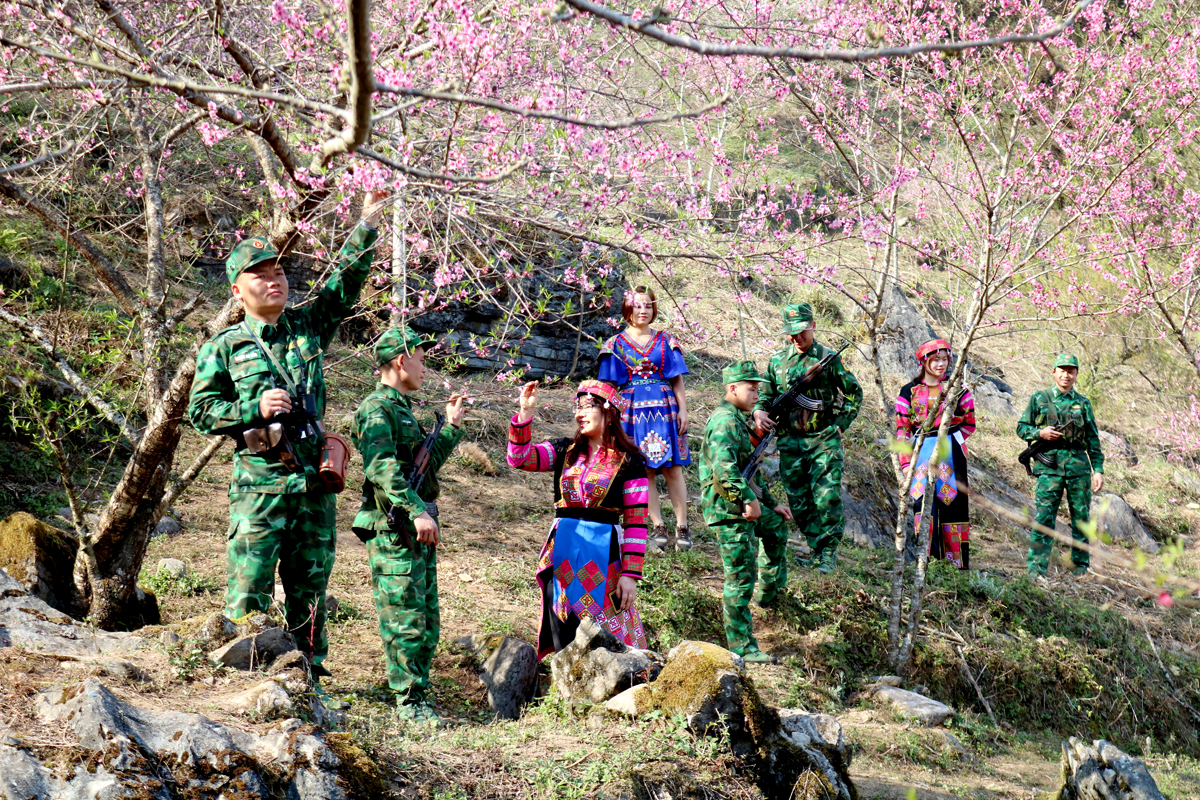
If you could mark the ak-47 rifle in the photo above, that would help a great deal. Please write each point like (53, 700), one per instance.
(779, 409)
(1043, 449)
(397, 519)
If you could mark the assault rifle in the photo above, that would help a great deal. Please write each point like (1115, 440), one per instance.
(779, 409)
(420, 468)
(1043, 449)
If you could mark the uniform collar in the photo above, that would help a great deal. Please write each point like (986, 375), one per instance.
(265, 330)
(394, 394)
(1060, 393)
(742, 415)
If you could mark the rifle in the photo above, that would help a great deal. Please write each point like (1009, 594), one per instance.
(420, 468)
(782, 406)
(1043, 449)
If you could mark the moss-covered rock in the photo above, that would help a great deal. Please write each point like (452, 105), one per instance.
(41, 558)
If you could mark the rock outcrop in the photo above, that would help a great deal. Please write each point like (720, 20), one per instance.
(29, 622)
(1100, 771)
(507, 667)
(40, 557)
(912, 705)
(1116, 518)
(136, 752)
(596, 666)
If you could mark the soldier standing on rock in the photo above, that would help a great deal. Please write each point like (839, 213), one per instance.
(741, 513)
(1073, 463)
(262, 383)
(399, 524)
(810, 442)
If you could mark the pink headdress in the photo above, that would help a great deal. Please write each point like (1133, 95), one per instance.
(932, 346)
(606, 392)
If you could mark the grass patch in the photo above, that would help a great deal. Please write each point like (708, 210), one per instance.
(190, 584)
(674, 605)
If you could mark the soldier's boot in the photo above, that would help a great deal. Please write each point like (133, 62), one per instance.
(659, 538)
(752, 655)
(827, 560)
(683, 540)
(1079, 571)
(414, 707)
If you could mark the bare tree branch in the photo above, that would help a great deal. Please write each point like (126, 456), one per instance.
(105, 269)
(42, 159)
(180, 485)
(34, 333)
(358, 68)
(649, 28)
(632, 122)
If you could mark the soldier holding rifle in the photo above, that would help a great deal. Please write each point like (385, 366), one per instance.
(810, 435)
(1064, 443)
(741, 513)
(398, 520)
(262, 383)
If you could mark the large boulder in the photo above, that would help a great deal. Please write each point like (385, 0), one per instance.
(1100, 771)
(901, 332)
(595, 666)
(507, 667)
(865, 523)
(164, 754)
(41, 557)
(791, 754)
(256, 650)
(995, 397)
(1116, 518)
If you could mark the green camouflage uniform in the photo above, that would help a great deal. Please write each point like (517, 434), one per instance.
(277, 516)
(810, 443)
(723, 493)
(1077, 458)
(403, 570)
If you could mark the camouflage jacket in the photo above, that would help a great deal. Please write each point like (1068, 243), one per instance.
(1079, 452)
(232, 373)
(836, 387)
(726, 451)
(389, 436)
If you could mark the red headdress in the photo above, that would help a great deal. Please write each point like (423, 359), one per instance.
(606, 392)
(930, 347)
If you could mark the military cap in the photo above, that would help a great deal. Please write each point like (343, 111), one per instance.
(740, 371)
(248, 253)
(796, 317)
(399, 340)
(1066, 360)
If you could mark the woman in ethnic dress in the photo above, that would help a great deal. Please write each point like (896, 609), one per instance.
(648, 365)
(592, 559)
(948, 510)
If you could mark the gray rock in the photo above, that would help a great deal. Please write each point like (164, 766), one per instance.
(256, 651)
(109, 667)
(1100, 771)
(719, 705)
(10, 586)
(595, 666)
(1117, 446)
(863, 523)
(199, 757)
(170, 638)
(507, 667)
(1115, 517)
(30, 622)
(172, 566)
(332, 604)
(216, 630)
(168, 526)
(914, 706)
(990, 397)
(1187, 482)
(887, 680)
(902, 331)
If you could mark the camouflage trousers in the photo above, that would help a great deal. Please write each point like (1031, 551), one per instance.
(1050, 489)
(297, 532)
(404, 581)
(811, 470)
(751, 552)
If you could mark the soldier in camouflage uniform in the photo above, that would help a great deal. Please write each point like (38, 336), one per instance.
(810, 443)
(403, 556)
(271, 364)
(737, 516)
(1064, 417)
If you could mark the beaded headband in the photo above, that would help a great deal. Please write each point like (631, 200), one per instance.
(932, 346)
(606, 392)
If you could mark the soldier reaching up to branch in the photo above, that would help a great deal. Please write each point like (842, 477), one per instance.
(262, 383)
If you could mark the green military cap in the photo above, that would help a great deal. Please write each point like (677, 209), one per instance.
(741, 371)
(1066, 360)
(248, 253)
(399, 340)
(796, 317)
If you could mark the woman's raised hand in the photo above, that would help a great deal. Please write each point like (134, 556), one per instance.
(528, 401)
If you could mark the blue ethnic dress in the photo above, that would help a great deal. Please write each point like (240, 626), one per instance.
(652, 419)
